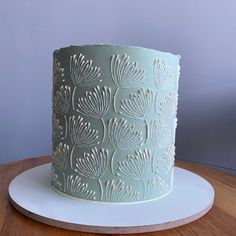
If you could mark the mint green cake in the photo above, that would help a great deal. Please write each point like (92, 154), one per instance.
(114, 122)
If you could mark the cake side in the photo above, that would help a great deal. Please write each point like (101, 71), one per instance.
(114, 121)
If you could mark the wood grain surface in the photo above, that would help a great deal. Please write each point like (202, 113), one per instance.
(220, 220)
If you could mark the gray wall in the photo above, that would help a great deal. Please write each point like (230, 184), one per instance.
(203, 32)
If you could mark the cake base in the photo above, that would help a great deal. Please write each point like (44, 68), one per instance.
(31, 193)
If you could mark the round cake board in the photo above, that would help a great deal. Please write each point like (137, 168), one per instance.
(31, 193)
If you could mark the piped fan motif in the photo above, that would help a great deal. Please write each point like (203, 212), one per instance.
(168, 106)
(61, 100)
(95, 104)
(125, 73)
(116, 190)
(60, 156)
(157, 186)
(160, 135)
(75, 187)
(138, 105)
(80, 132)
(57, 129)
(82, 72)
(93, 165)
(165, 163)
(58, 72)
(56, 182)
(136, 166)
(122, 136)
(163, 75)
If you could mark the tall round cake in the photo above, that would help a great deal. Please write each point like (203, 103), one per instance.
(114, 122)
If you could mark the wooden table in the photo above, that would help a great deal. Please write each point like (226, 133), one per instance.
(221, 220)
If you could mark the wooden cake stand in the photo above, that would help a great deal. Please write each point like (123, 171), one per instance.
(220, 220)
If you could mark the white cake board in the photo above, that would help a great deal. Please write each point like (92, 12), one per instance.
(31, 193)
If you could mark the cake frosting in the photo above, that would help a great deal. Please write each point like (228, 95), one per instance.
(114, 122)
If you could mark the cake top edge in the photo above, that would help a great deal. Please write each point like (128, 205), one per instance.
(114, 46)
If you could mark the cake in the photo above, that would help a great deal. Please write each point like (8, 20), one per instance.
(114, 122)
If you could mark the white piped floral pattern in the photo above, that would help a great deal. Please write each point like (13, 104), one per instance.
(81, 135)
(58, 72)
(75, 187)
(168, 106)
(125, 74)
(157, 186)
(80, 132)
(163, 76)
(95, 104)
(56, 182)
(117, 190)
(113, 136)
(82, 73)
(160, 135)
(57, 130)
(138, 105)
(61, 101)
(93, 165)
(60, 157)
(122, 137)
(165, 163)
(136, 166)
